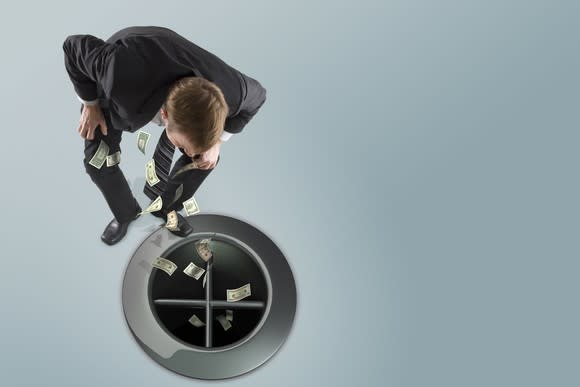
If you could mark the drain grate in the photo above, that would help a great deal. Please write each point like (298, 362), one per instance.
(158, 307)
(177, 297)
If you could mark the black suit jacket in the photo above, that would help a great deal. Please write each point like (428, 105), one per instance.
(130, 74)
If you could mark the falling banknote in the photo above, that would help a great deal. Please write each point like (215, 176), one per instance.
(204, 280)
(224, 322)
(100, 155)
(203, 249)
(229, 314)
(154, 206)
(172, 221)
(194, 271)
(234, 295)
(164, 264)
(196, 322)
(150, 174)
(114, 159)
(142, 139)
(190, 206)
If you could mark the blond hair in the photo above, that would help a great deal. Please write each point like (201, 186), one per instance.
(198, 109)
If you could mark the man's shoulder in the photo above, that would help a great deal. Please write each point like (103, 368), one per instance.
(139, 30)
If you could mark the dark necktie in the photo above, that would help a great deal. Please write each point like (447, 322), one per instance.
(163, 157)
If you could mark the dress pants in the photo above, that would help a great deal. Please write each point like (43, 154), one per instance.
(115, 188)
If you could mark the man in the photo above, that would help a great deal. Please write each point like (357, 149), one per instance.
(143, 74)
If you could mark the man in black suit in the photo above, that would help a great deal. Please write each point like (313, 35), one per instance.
(143, 74)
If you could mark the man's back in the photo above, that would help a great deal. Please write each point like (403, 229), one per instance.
(140, 65)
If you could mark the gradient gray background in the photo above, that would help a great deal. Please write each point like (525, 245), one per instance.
(415, 160)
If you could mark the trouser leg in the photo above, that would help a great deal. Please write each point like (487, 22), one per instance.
(110, 180)
(191, 181)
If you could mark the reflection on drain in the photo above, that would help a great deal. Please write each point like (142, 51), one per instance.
(184, 304)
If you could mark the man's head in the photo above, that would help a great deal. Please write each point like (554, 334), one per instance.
(194, 114)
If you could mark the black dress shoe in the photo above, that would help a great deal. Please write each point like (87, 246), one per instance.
(115, 231)
(183, 227)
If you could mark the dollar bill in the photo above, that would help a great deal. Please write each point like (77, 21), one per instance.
(164, 264)
(190, 206)
(172, 221)
(229, 314)
(194, 271)
(204, 278)
(142, 139)
(154, 206)
(195, 321)
(203, 249)
(114, 159)
(224, 322)
(185, 168)
(234, 295)
(150, 174)
(100, 155)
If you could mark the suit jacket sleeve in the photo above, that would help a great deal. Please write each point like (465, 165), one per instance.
(255, 98)
(87, 60)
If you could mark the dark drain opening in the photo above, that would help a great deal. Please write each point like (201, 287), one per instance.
(176, 298)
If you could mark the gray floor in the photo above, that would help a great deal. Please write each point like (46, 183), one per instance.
(416, 161)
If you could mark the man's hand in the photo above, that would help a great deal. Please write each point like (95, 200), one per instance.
(208, 159)
(91, 117)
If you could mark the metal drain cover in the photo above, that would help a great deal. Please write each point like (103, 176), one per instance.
(157, 306)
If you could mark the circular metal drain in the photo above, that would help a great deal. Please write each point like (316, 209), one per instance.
(158, 306)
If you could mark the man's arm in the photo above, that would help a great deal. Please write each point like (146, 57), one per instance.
(255, 98)
(87, 59)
